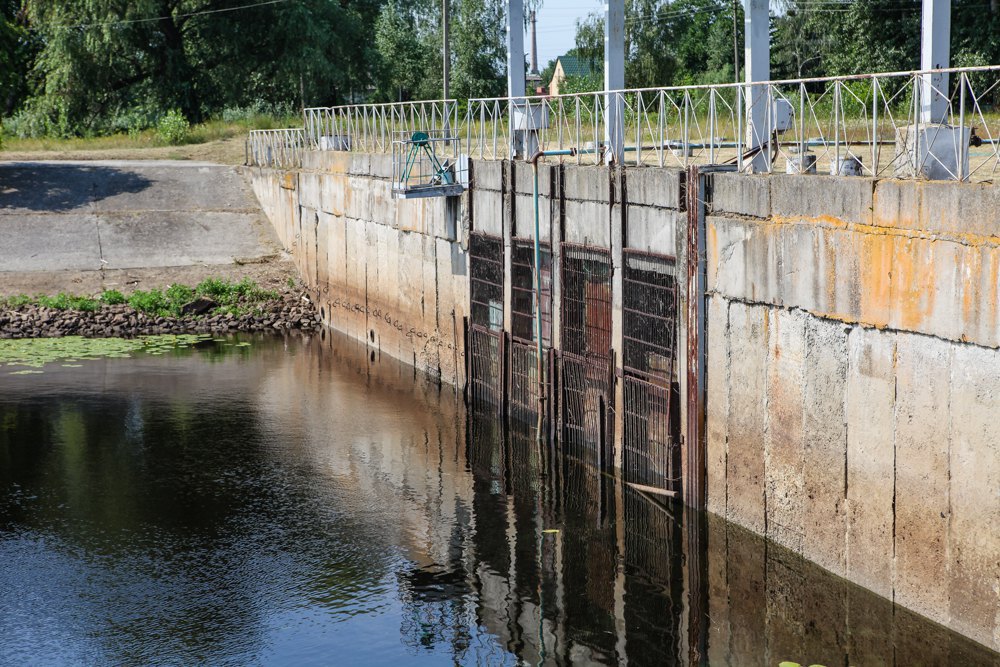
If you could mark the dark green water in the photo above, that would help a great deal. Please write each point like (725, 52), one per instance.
(296, 502)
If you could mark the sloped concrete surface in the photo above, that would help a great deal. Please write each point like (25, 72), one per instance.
(71, 218)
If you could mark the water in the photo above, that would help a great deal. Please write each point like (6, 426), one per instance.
(296, 502)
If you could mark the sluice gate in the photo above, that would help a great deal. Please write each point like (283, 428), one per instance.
(609, 317)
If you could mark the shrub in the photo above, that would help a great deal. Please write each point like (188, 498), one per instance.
(63, 301)
(153, 302)
(112, 297)
(178, 295)
(18, 300)
(173, 128)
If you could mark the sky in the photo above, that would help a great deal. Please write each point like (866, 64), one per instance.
(557, 27)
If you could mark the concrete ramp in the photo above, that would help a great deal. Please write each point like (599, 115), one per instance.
(103, 223)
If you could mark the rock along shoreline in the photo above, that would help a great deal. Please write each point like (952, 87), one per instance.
(291, 310)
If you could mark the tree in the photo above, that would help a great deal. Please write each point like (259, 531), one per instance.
(479, 49)
(104, 62)
(16, 52)
(682, 42)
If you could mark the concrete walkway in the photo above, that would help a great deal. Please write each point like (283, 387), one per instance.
(89, 225)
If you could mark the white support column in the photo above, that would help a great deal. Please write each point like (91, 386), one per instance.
(515, 48)
(935, 53)
(757, 65)
(614, 79)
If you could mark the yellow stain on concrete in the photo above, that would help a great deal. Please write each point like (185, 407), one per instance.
(902, 276)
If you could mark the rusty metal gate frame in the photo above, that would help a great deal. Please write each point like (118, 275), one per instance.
(486, 313)
(586, 362)
(651, 443)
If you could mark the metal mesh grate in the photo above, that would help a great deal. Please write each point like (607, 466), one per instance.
(486, 281)
(651, 448)
(523, 350)
(586, 302)
(586, 358)
(523, 323)
(485, 367)
(524, 381)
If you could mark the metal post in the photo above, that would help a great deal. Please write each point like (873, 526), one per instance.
(835, 168)
(875, 105)
(614, 77)
(446, 47)
(711, 126)
(757, 59)
(963, 145)
(935, 53)
(515, 48)
(802, 128)
(740, 112)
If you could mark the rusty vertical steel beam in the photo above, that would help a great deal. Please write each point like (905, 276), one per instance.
(693, 456)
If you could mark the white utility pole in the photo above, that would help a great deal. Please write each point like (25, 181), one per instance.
(757, 63)
(515, 48)
(446, 56)
(614, 79)
(935, 53)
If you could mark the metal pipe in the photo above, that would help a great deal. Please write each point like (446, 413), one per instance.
(538, 283)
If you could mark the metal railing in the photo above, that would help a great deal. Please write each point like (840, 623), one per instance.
(872, 124)
(281, 149)
(371, 128)
(869, 124)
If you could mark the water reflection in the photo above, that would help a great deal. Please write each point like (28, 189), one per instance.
(300, 503)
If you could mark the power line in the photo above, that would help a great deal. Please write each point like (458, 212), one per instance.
(152, 19)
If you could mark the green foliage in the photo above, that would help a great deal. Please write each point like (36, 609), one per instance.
(102, 66)
(112, 297)
(63, 301)
(151, 302)
(178, 295)
(478, 48)
(173, 128)
(581, 84)
(682, 42)
(408, 42)
(234, 297)
(18, 300)
(231, 294)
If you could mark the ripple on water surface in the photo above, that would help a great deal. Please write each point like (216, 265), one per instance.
(289, 501)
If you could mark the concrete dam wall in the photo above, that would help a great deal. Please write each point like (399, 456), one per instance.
(854, 382)
(813, 358)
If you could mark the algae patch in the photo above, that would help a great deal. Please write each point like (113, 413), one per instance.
(34, 353)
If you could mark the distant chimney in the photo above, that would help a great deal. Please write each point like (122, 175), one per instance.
(534, 43)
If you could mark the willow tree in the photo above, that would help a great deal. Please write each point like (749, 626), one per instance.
(102, 59)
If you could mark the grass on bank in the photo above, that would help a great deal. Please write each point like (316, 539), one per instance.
(220, 129)
(237, 298)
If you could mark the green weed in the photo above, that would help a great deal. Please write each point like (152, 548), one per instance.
(173, 128)
(112, 297)
(18, 300)
(152, 302)
(63, 301)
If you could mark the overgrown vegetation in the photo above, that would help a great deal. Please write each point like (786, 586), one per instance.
(183, 71)
(231, 297)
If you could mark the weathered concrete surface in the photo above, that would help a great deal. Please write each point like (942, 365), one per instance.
(840, 345)
(82, 226)
(768, 604)
(855, 325)
(393, 273)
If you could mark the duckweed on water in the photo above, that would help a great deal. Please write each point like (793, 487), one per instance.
(35, 353)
